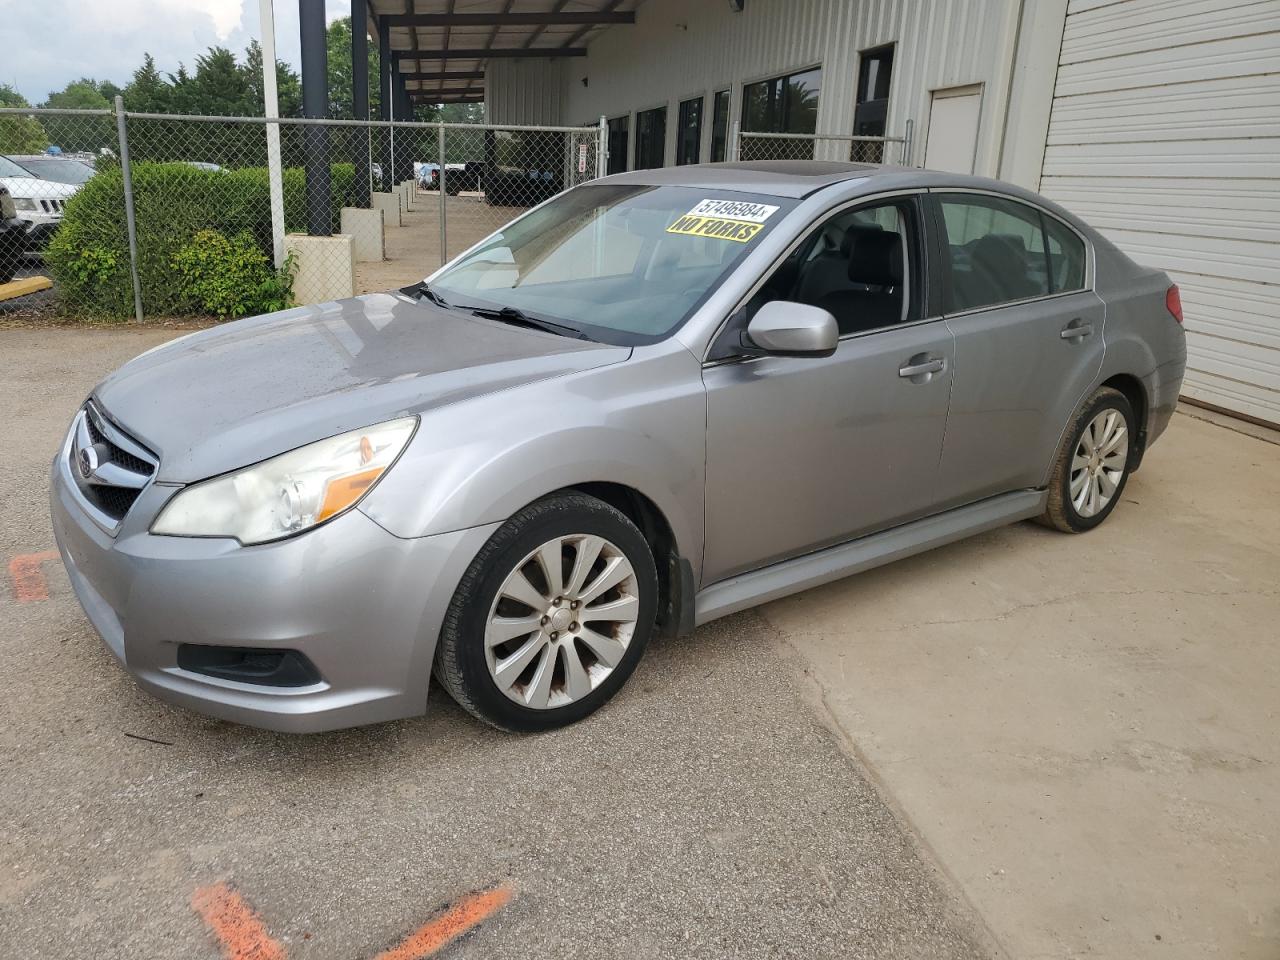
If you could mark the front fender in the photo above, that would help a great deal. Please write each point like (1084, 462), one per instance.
(641, 424)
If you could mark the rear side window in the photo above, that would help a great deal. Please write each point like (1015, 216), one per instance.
(995, 248)
(1001, 251)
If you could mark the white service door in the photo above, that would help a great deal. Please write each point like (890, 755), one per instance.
(952, 142)
(1165, 135)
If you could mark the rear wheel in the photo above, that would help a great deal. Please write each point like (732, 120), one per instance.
(1093, 464)
(551, 617)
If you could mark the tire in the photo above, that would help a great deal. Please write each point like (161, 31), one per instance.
(1086, 485)
(546, 663)
(8, 271)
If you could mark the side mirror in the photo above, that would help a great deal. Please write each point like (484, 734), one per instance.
(781, 328)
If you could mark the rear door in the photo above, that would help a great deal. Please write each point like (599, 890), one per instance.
(1028, 339)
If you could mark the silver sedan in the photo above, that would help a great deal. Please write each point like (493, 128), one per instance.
(652, 401)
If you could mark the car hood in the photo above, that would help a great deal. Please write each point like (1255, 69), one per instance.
(236, 394)
(31, 188)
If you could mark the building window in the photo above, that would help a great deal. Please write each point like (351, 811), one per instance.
(875, 69)
(689, 139)
(720, 126)
(618, 129)
(782, 105)
(651, 138)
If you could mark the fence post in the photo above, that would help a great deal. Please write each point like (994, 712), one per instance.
(602, 150)
(126, 172)
(735, 141)
(271, 109)
(444, 232)
(906, 145)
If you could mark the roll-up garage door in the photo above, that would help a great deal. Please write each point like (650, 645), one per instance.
(1165, 135)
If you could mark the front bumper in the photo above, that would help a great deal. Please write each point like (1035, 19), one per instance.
(40, 232)
(363, 605)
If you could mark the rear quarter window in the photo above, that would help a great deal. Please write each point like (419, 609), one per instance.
(1066, 256)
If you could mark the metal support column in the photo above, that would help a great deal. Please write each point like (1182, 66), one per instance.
(360, 99)
(386, 65)
(315, 103)
(129, 221)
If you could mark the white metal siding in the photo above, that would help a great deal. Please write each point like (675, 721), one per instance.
(679, 49)
(1165, 135)
(525, 91)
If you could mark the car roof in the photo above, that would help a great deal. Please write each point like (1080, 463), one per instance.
(795, 179)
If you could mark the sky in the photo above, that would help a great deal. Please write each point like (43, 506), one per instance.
(48, 43)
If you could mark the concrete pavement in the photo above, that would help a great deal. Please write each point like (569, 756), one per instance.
(1084, 729)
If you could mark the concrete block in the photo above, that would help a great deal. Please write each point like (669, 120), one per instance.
(324, 267)
(390, 203)
(366, 230)
(408, 186)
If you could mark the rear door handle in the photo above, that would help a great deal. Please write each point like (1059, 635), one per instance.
(920, 366)
(1077, 329)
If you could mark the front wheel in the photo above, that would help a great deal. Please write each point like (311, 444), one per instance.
(1093, 464)
(551, 617)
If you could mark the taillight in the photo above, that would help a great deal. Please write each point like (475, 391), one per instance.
(1173, 302)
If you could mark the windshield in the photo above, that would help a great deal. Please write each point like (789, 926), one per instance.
(10, 169)
(60, 171)
(621, 263)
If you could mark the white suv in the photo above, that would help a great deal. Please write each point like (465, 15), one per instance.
(39, 202)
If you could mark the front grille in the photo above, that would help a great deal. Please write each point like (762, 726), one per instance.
(118, 454)
(51, 206)
(109, 467)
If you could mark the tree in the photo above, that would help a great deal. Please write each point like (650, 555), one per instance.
(19, 134)
(338, 44)
(82, 94)
(218, 87)
(86, 133)
(288, 83)
(147, 91)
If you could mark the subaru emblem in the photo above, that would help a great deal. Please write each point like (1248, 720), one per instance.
(87, 461)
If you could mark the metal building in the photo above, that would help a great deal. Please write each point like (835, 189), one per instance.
(1157, 121)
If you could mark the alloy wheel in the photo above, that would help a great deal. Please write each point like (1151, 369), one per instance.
(1098, 464)
(561, 621)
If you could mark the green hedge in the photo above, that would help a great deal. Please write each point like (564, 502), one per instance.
(89, 255)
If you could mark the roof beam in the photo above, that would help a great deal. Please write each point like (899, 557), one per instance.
(554, 19)
(488, 54)
(446, 75)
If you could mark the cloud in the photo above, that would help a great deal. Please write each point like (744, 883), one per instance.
(52, 42)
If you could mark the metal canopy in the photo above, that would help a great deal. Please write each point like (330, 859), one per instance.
(441, 47)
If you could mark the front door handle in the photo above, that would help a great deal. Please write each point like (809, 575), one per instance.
(921, 366)
(1077, 329)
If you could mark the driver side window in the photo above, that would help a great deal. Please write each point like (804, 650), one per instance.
(859, 264)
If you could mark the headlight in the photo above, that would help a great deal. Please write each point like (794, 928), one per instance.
(24, 203)
(289, 493)
(8, 209)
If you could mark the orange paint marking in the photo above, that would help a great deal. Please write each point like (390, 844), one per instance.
(28, 579)
(237, 926)
(462, 916)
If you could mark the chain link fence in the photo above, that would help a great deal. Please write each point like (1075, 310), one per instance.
(153, 215)
(818, 146)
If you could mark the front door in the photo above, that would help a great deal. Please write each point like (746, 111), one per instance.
(804, 452)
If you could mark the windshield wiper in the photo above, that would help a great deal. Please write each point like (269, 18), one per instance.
(514, 315)
(420, 289)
